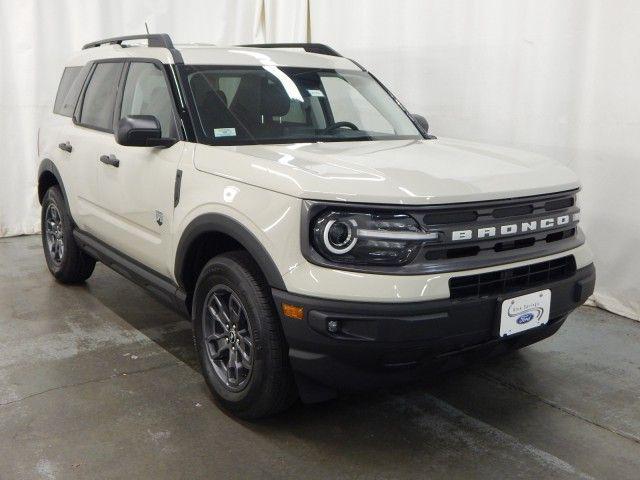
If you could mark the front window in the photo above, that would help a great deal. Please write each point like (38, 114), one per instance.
(241, 105)
(146, 93)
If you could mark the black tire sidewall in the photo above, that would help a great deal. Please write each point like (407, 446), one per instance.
(224, 271)
(54, 196)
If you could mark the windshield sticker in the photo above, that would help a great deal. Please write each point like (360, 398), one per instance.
(316, 93)
(224, 132)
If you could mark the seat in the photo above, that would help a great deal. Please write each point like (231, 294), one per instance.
(275, 102)
(246, 102)
(214, 113)
(257, 101)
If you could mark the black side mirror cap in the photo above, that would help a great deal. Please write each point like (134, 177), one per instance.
(423, 124)
(162, 142)
(141, 131)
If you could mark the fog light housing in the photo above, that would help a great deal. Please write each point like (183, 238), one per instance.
(333, 326)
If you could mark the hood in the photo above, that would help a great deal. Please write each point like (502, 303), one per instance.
(410, 172)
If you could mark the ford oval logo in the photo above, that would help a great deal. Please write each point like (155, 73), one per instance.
(525, 318)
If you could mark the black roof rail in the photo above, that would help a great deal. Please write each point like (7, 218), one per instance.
(161, 40)
(320, 48)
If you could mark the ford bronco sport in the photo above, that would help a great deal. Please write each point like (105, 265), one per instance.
(319, 239)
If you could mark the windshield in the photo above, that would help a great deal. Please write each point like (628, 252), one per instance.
(241, 105)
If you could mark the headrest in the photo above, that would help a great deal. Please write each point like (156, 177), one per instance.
(200, 87)
(215, 98)
(275, 101)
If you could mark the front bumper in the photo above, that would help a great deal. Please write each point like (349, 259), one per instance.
(388, 343)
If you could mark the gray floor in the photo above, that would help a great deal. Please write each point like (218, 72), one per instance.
(99, 381)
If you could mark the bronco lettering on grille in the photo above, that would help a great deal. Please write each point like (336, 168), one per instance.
(512, 228)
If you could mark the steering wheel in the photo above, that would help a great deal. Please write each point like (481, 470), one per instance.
(337, 125)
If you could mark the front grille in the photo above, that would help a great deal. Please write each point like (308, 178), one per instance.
(512, 279)
(495, 248)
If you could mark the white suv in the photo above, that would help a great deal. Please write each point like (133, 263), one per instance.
(317, 236)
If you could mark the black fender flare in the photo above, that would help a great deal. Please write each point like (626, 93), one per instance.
(46, 165)
(219, 223)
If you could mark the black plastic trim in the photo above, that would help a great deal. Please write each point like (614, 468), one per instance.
(161, 287)
(176, 188)
(218, 223)
(154, 40)
(357, 64)
(318, 48)
(46, 165)
(184, 113)
(177, 56)
(161, 40)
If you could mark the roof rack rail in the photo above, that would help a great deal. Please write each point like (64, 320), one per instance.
(161, 40)
(307, 47)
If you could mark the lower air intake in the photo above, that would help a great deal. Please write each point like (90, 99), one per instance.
(512, 279)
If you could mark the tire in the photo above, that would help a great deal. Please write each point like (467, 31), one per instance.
(260, 382)
(66, 262)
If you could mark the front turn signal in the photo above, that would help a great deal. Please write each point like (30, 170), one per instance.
(293, 311)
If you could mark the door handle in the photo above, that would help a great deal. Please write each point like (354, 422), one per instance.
(66, 146)
(110, 160)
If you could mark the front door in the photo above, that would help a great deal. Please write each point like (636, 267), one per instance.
(136, 184)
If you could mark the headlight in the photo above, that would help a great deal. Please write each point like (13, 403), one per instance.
(368, 238)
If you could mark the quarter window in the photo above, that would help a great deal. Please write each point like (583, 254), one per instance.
(100, 96)
(146, 93)
(68, 77)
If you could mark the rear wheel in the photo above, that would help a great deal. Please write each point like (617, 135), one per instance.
(64, 258)
(239, 338)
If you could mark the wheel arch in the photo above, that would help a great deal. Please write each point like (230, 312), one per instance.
(230, 233)
(48, 176)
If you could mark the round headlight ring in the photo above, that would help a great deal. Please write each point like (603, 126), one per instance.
(343, 246)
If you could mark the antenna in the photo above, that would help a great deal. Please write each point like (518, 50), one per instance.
(147, 27)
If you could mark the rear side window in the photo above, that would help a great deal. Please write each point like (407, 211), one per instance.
(100, 96)
(69, 89)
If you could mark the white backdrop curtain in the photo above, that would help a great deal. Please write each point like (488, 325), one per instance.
(558, 77)
(38, 36)
(553, 76)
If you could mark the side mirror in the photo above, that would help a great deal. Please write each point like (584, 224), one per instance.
(141, 131)
(420, 120)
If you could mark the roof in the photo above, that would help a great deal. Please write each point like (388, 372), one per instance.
(290, 55)
(262, 56)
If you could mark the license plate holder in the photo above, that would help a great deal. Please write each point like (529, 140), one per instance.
(524, 312)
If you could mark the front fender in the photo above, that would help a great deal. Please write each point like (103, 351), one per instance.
(220, 223)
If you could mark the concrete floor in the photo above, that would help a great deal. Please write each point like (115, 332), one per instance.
(100, 381)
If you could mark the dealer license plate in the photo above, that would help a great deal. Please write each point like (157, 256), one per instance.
(524, 312)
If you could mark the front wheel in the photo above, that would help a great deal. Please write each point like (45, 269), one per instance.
(66, 261)
(239, 338)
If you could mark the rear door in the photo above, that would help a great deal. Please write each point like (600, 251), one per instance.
(90, 134)
(137, 196)
(53, 141)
